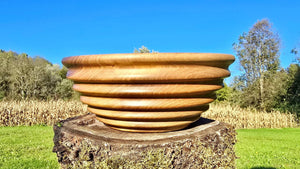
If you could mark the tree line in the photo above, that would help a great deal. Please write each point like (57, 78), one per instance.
(24, 77)
(262, 84)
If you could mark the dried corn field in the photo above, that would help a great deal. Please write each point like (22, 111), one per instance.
(249, 118)
(14, 113)
(32, 112)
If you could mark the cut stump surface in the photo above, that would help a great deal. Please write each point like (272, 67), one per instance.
(85, 142)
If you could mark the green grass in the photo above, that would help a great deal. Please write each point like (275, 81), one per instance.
(27, 147)
(31, 147)
(268, 148)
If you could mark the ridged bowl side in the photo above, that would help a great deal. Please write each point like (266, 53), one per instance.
(148, 92)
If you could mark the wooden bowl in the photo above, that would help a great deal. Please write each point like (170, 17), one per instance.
(148, 92)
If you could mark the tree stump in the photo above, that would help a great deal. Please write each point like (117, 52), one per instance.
(84, 142)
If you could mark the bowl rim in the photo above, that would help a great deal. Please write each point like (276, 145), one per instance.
(145, 58)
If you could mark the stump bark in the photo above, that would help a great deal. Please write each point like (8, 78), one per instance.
(84, 142)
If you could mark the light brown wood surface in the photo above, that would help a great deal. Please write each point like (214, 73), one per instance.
(148, 115)
(146, 90)
(154, 92)
(141, 126)
(144, 103)
(209, 59)
(146, 74)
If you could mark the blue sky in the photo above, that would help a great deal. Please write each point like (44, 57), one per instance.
(56, 29)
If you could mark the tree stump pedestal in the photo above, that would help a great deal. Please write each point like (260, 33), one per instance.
(84, 142)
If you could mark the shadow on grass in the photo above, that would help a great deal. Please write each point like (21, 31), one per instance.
(261, 167)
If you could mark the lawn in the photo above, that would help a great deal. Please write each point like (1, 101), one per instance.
(31, 147)
(268, 148)
(27, 147)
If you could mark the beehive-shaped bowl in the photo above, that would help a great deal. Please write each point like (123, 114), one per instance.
(148, 92)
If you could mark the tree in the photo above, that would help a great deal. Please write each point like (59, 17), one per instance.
(258, 53)
(292, 98)
(223, 94)
(4, 72)
(143, 49)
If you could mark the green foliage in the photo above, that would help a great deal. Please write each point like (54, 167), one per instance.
(275, 88)
(23, 77)
(5, 63)
(2, 94)
(63, 72)
(224, 94)
(291, 100)
(282, 91)
(143, 49)
(258, 51)
(64, 89)
(294, 84)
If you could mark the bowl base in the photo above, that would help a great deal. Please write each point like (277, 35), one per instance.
(148, 130)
